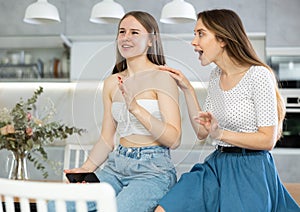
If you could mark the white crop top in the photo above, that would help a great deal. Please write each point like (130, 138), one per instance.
(127, 124)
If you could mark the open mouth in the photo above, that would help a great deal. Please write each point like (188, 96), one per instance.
(199, 51)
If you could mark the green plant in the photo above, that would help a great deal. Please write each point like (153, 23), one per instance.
(22, 132)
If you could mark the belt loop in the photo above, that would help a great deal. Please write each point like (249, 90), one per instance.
(129, 152)
(168, 152)
(119, 149)
(138, 153)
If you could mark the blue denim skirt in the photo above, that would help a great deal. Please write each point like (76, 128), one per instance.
(229, 182)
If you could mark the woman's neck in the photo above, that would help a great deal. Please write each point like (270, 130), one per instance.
(135, 65)
(229, 68)
(233, 71)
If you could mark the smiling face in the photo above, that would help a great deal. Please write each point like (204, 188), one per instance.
(133, 39)
(210, 49)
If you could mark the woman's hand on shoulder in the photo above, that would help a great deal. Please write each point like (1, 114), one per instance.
(180, 78)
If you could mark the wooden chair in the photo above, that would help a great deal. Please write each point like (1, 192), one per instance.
(26, 192)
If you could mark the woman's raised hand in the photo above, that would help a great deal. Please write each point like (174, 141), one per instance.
(210, 123)
(128, 97)
(182, 82)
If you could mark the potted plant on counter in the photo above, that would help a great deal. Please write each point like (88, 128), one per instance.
(25, 134)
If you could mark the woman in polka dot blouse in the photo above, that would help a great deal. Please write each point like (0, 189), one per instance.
(243, 116)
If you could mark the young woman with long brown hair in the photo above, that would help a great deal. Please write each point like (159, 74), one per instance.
(243, 115)
(143, 114)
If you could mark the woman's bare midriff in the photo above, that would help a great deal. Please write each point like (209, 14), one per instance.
(138, 141)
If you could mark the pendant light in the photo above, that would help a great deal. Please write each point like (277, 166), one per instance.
(107, 12)
(178, 12)
(41, 12)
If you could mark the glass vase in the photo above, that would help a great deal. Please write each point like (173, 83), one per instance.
(18, 169)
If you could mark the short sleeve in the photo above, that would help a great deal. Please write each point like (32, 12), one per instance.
(264, 97)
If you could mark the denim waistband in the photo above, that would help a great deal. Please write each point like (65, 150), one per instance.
(137, 152)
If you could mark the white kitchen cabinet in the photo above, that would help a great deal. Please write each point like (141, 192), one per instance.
(33, 58)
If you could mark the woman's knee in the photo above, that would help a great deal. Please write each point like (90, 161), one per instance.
(159, 209)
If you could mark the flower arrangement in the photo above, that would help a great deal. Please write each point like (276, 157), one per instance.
(25, 134)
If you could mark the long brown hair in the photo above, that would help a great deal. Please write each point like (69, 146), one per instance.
(155, 52)
(228, 27)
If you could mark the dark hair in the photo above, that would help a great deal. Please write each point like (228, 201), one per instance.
(155, 52)
(228, 27)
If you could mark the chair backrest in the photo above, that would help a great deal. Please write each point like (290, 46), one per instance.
(27, 192)
(75, 155)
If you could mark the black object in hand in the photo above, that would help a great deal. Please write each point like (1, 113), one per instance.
(89, 177)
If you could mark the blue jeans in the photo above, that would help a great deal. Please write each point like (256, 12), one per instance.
(140, 176)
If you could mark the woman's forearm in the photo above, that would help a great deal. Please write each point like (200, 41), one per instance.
(263, 139)
(97, 156)
(193, 111)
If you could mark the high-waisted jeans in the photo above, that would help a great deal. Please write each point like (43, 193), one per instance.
(140, 176)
